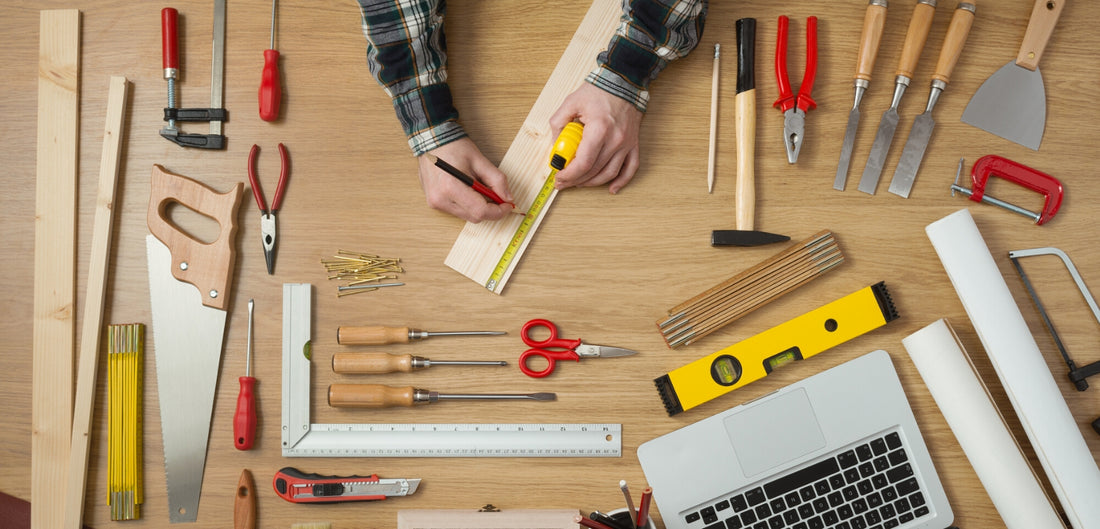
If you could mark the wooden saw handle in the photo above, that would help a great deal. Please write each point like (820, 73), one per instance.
(207, 266)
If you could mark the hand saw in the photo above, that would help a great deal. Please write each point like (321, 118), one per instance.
(189, 286)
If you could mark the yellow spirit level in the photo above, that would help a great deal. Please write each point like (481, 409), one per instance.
(754, 358)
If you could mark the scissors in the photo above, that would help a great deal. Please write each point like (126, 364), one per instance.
(574, 349)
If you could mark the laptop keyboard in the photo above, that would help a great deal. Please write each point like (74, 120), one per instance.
(871, 486)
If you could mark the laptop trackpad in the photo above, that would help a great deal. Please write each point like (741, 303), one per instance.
(774, 432)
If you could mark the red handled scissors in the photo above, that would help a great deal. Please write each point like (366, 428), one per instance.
(573, 349)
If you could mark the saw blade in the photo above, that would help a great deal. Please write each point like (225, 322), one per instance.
(187, 339)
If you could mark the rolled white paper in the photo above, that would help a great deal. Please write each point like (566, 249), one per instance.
(980, 429)
(1027, 380)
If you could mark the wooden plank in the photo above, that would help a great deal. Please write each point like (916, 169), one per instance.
(480, 246)
(54, 259)
(94, 299)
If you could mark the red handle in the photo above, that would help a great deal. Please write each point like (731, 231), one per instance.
(551, 358)
(169, 44)
(284, 172)
(786, 97)
(271, 90)
(551, 341)
(244, 421)
(805, 101)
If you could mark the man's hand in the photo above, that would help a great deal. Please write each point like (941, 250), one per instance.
(608, 153)
(446, 193)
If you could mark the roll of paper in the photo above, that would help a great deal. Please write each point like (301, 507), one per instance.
(1027, 380)
(980, 429)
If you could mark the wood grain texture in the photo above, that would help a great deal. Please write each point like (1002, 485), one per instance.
(602, 267)
(54, 259)
(480, 246)
(94, 300)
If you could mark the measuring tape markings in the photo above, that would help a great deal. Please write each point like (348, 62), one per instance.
(754, 358)
(526, 226)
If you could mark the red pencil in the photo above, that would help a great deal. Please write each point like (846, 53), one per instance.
(589, 523)
(643, 508)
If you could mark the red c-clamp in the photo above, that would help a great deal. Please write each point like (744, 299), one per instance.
(993, 165)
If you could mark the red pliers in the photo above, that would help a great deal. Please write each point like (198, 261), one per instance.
(267, 216)
(794, 107)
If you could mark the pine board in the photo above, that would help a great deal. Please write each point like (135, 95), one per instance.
(54, 259)
(480, 246)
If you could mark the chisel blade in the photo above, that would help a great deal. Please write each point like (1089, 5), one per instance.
(846, 150)
(883, 138)
(906, 171)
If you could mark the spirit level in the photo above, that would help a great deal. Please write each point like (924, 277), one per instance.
(300, 438)
(754, 358)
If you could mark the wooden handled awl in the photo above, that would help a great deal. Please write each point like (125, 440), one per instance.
(379, 396)
(244, 505)
(381, 363)
(380, 335)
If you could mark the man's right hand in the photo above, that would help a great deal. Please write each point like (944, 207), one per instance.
(447, 194)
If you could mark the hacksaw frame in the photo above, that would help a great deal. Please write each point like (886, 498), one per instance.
(481, 246)
(301, 438)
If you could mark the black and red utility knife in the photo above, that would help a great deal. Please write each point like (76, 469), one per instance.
(294, 486)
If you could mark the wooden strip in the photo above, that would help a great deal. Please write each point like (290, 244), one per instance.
(93, 302)
(54, 260)
(480, 246)
(751, 289)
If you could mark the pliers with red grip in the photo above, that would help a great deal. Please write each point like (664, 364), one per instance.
(794, 107)
(267, 216)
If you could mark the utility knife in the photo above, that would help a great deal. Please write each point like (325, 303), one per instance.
(295, 486)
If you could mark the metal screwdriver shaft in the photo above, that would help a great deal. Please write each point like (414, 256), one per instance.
(381, 363)
(380, 396)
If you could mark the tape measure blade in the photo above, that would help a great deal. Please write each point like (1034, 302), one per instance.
(522, 236)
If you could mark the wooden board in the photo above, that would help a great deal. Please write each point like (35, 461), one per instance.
(94, 299)
(54, 259)
(480, 246)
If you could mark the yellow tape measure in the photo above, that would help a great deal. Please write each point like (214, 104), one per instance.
(522, 232)
(754, 358)
(565, 147)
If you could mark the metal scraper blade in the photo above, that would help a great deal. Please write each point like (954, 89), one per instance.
(187, 337)
(1012, 104)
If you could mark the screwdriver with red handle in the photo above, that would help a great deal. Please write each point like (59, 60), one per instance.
(244, 420)
(271, 92)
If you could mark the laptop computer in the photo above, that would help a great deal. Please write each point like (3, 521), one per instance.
(838, 450)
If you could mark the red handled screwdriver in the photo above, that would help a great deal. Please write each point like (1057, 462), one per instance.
(244, 421)
(271, 92)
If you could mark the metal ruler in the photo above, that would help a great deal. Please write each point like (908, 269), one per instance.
(300, 438)
(519, 240)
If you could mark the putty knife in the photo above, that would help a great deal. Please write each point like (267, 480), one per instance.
(1012, 103)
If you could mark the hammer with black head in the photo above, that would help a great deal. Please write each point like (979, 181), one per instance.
(745, 124)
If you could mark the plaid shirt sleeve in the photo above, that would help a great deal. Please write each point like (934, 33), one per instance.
(407, 55)
(651, 34)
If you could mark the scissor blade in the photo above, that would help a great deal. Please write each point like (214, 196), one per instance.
(586, 350)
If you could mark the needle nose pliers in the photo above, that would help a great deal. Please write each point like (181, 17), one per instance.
(267, 216)
(794, 107)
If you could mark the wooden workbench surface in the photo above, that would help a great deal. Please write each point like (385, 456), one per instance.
(603, 267)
